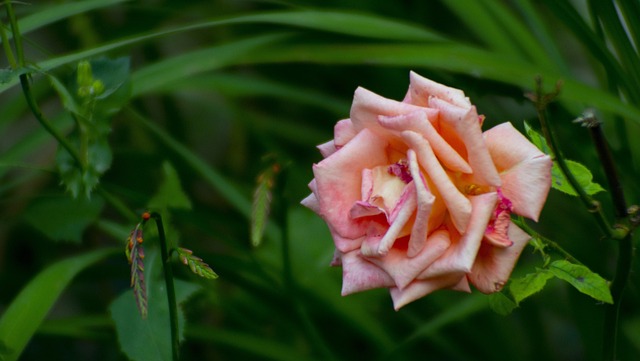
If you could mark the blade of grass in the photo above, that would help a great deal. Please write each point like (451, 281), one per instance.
(46, 15)
(454, 58)
(479, 20)
(31, 305)
(174, 69)
(569, 16)
(608, 15)
(631, 12)
(338, 22)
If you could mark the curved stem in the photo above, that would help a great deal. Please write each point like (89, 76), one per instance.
(541, 101)
(171, 293)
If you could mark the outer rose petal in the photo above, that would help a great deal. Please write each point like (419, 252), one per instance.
(358, 274)
(328, 148)
(422, 88)
(343, 132)
(338, 181)
(419, 289)
(493, 265)
(368, 106)
(525, 171)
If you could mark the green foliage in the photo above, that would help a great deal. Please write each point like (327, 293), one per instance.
(20, 321)
(100, 89)
(528, 285)
(170, 193)
(195, 264)
(149, 338)
(63, 218)
(583, 279)
(502, 303)
(214, 87)
(558, 181)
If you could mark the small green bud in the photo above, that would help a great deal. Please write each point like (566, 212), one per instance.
(85, 77)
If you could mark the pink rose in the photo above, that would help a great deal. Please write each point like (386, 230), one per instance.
(418, 198)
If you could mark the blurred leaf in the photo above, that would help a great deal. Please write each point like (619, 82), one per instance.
(150, 338)
(79, 181)
(349, 23)
(263, 347)
(261, 206)
(224, 186)
(582, 279)
(501, 304)
(56, 12)
(528, 285)
(63, 218)
(455, 58)
(68, 100)
(581, 173)
(170, 193)
(20, 321)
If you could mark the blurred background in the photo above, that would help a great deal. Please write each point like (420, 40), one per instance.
(217, 85)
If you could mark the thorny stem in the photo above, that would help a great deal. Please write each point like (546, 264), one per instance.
(547, 242)
(541, 102)
(625, 245)
(168, 278)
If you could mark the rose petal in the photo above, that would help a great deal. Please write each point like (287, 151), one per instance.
(343, 132)
(458, 205)
(493, 265)
(399, 218)
(421, 89)
(419, 289)
(338, 180)
(419, 123)
(403, 269)
(424, 202)
(527, 186)
(464, 122)
(358, 274)
(328, 148)
(460, 257)
(367, 106)
(508, 147)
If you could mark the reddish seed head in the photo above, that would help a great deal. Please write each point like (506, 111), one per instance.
(146, 216)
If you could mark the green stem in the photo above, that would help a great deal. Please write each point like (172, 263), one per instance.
(547, 242)
(171, 293)
(625, 244)
(593, 206)
(7, 48)
(280, 216)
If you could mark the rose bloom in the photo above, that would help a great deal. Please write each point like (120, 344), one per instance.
(418, 198)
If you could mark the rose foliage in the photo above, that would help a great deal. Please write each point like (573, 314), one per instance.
(418, 198)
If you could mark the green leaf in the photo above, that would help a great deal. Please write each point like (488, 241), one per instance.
(582, 279)
(150, 338)
(170, 193)
(537, 139)
(581, 173)
(501, 303)
(528, 285)
(29, 308)
(63, 218)
(558, 181)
